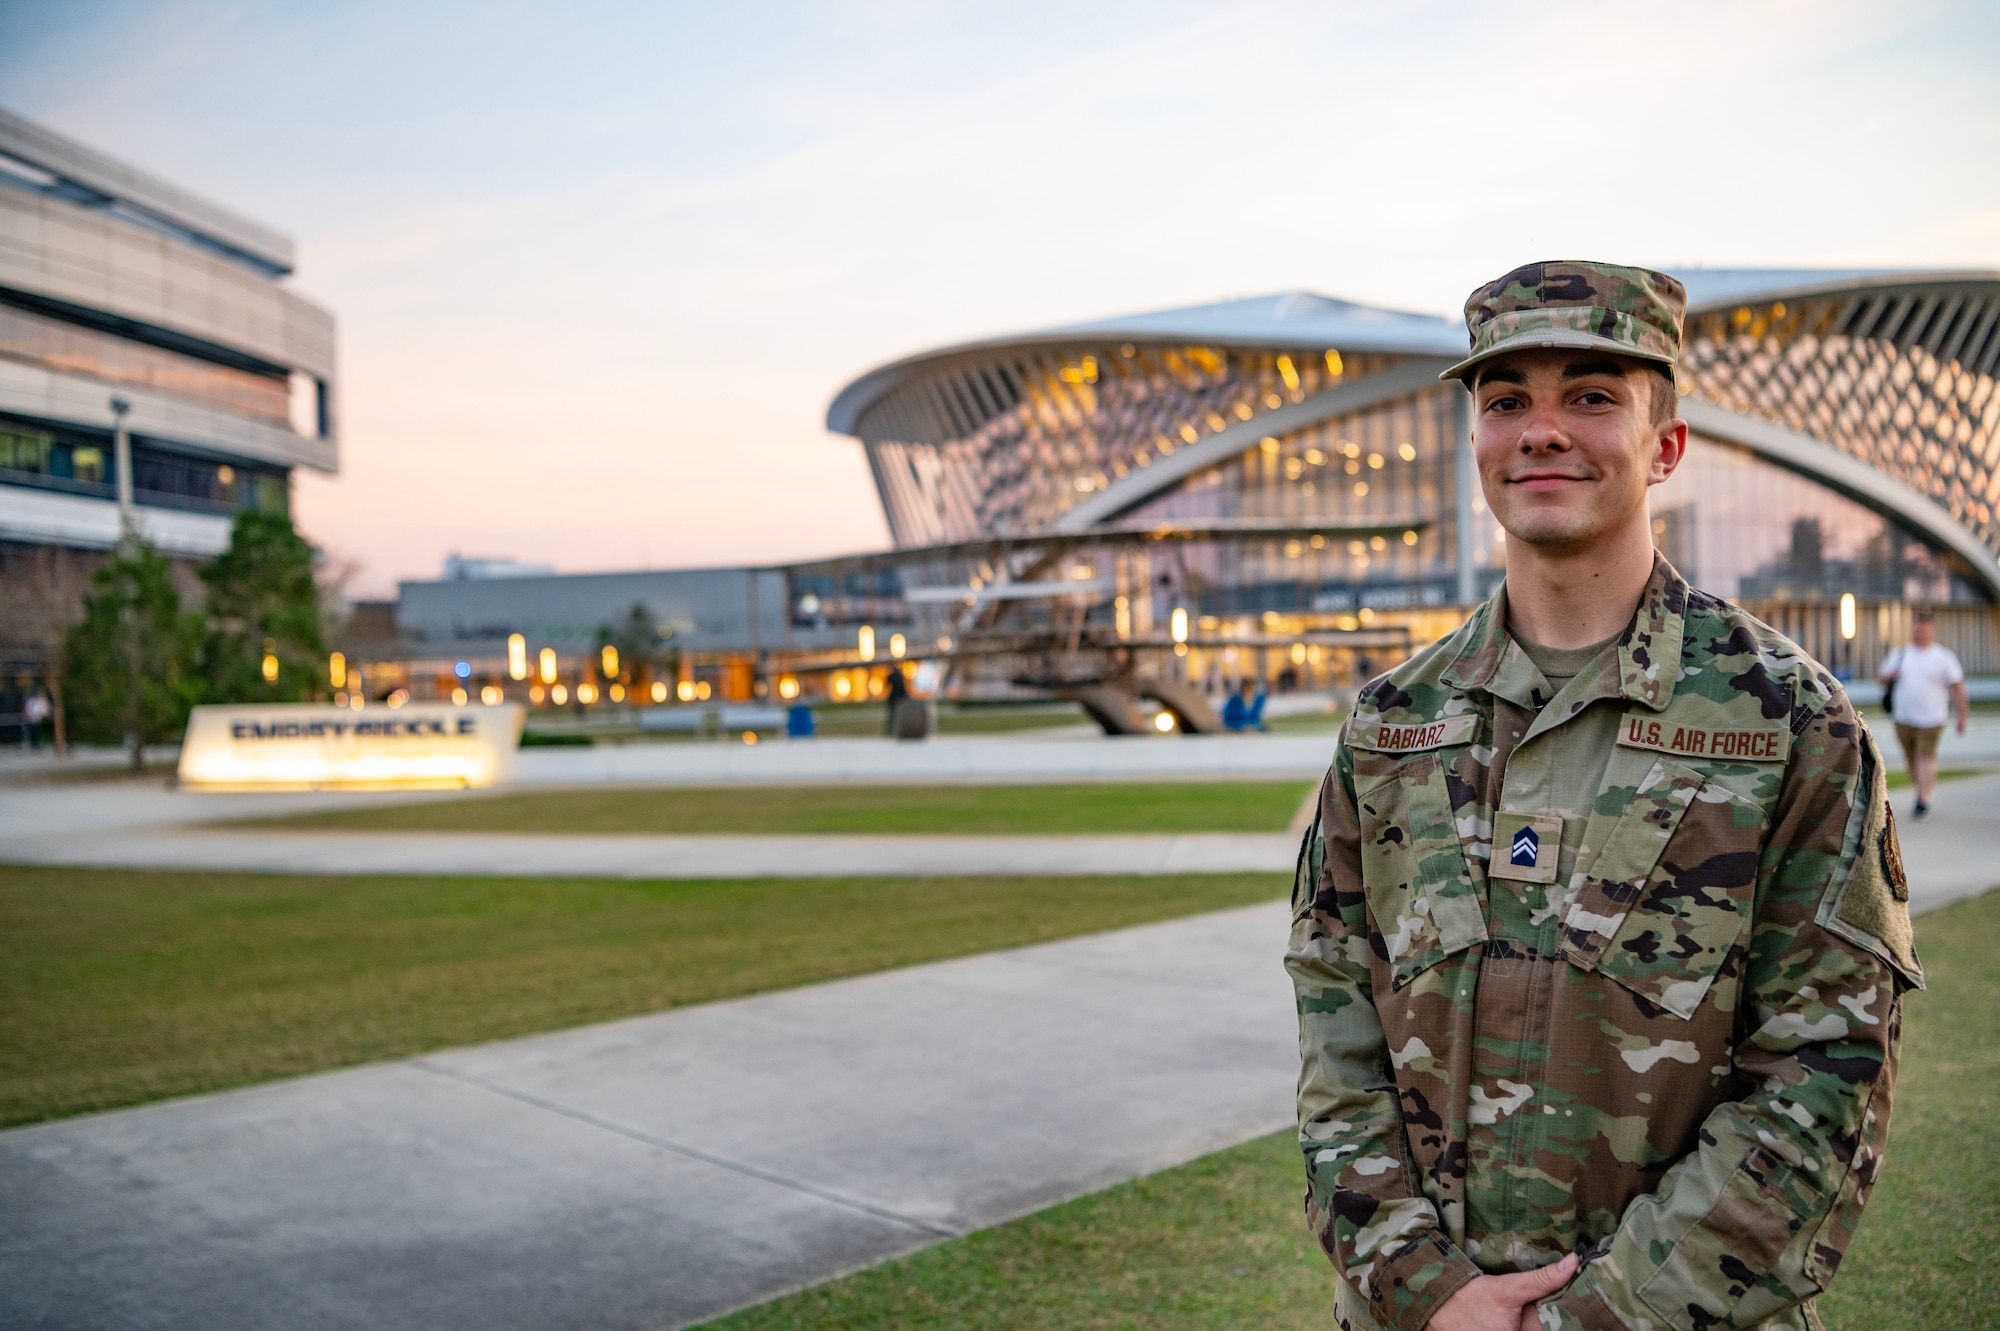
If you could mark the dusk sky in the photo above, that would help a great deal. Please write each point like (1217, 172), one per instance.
(598, 268)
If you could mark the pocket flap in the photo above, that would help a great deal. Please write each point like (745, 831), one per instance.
(1661, 912)
(1437, 908)
(1630, 850)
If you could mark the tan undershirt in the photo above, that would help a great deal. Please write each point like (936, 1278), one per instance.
(1567, 762)
(1560, 665)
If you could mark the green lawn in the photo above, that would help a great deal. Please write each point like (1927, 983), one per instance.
(1219, 1243)
(123, 986)
(1899, 778)
(1166, 806)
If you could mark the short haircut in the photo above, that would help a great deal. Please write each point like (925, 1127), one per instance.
(1924, 617)
(1666, 398)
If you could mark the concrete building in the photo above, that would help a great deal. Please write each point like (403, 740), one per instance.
(117, 284)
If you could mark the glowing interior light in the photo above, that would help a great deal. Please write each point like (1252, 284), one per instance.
(685, 690)
(1847, 616)
(864, 642)
(586, 693)
(659, 690)
(1164, 722)
(841, 686)
(897, 646)
(616, 692)
(1298, 653)
(270, 668)
(788, 687)
(749, 737)
(548, 665)
(701, 690)
(517, 656)
(536, 694)
(1180, 623)
(336, 670)
(608, 658)
(458, 697)
(491, 695)
(559, 695)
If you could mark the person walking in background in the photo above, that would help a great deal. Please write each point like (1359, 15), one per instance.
(1924, 682)
(35, 713)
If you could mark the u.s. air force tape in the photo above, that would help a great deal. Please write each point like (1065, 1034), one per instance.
(1388, 737)
(1744, 745)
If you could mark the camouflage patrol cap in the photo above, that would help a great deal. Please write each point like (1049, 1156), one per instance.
(1601, 306)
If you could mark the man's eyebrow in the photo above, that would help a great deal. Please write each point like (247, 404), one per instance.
(1584, 369)
(1502, 375)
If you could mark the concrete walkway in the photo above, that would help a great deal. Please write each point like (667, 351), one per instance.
(556, 856)
(1953, 854)
(662, 1170)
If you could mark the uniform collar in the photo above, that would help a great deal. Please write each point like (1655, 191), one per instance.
(1649, 653)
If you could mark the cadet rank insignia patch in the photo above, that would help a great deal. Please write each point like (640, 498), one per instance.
(1525, 847)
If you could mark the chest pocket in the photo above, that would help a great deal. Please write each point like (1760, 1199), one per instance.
(1422, 896)
(1669, 892)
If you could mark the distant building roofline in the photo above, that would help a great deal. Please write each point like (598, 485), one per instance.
(1307, 319)
(60, 166)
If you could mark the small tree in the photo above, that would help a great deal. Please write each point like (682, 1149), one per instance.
(263, 603)
(641, 648)
(131, 662)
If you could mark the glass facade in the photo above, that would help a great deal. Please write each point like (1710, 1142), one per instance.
(1392, 465)
(79, 462)
(1008, 443)
(1900, 377)
(979, 444)
(1742, 528)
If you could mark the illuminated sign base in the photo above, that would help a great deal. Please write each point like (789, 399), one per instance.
(316, 746)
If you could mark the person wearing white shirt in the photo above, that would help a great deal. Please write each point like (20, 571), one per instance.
(1929, 686)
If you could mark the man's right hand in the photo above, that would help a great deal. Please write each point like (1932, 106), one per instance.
(1501, 1303)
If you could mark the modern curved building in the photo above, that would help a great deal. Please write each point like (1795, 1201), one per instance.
(114, 283)
(1845, 441)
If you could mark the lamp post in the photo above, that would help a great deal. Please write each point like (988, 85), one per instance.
(121, 455)
(128, 550)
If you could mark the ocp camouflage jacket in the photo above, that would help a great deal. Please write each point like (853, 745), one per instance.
(1678, 1062)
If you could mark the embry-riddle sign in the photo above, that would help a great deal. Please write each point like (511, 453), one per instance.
(310, 745)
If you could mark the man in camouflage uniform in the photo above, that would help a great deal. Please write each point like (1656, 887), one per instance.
(1600, 933)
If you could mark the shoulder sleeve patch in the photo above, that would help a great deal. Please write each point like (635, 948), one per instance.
(1869, 902)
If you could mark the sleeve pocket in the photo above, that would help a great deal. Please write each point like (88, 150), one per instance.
(1762, 1207)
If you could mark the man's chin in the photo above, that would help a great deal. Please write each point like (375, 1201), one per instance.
(1553, 538)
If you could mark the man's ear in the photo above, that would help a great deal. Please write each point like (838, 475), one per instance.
(1669, 447)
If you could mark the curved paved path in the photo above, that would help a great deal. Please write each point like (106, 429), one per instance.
(660, 1170)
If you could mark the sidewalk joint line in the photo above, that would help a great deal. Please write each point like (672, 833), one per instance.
(690, 1152)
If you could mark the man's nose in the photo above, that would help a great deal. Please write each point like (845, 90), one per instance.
(1543, 431)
